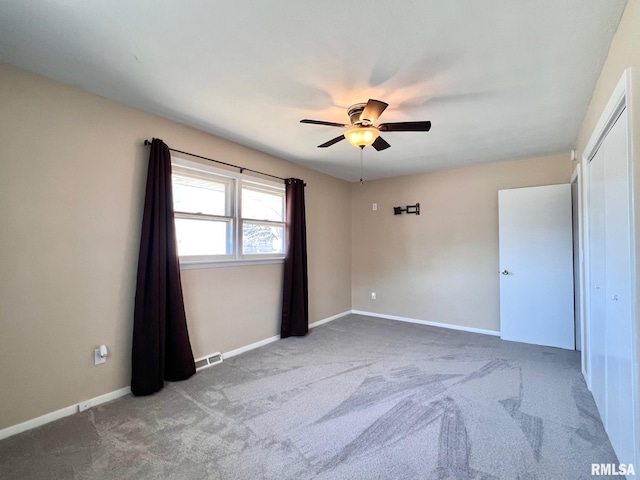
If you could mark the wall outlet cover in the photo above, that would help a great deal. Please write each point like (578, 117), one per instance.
(99, 358)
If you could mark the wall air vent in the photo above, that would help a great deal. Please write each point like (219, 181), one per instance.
(208, 361)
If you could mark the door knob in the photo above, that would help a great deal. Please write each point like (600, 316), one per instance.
(505, 272)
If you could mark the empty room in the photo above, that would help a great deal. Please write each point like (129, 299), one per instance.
(319, 240)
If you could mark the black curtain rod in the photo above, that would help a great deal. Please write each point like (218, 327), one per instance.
(242, 169)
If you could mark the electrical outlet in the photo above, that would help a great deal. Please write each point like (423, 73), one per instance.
(373, 296)
(374, 207)
(82, 406)
(99, 358)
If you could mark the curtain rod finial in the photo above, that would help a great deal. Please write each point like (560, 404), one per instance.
(147, 142)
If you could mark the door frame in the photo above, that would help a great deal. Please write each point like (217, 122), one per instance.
(579, 283)
(621, 98)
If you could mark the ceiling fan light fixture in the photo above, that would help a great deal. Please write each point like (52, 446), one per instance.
(360, 136)
(362, 133)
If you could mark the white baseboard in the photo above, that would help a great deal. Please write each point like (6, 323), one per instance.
(266, 341)
(63, 412)
(329, 319)
(251, 346)
(426, 322)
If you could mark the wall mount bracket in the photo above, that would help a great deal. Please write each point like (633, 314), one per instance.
(415, 209)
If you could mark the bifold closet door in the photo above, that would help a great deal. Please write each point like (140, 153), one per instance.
(618, 327)
(610, 278)
(597, 286)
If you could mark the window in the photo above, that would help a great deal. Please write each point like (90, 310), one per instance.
(223, 217)
(262, 219)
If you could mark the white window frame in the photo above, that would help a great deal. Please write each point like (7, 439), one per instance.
(236, 181)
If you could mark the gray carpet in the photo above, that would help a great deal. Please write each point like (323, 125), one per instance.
(358, 398)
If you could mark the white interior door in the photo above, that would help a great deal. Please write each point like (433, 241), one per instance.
(611, 269)
(618, 334)
(597, 272)
(536, 265)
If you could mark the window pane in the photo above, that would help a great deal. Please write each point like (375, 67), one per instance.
(199, 195)
(203, 237)
(262, 205)
(259, 238)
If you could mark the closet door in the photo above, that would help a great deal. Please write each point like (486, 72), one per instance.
(597, 272)
(618, 274)
(612, 243)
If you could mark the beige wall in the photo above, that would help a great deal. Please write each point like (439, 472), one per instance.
(72, 172)
(440, 266)
(623, 53)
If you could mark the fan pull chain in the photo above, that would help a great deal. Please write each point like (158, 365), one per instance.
(361, 167)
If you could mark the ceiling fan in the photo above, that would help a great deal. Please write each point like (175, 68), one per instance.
(361, 132)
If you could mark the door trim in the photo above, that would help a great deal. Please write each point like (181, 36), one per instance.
(576, 177)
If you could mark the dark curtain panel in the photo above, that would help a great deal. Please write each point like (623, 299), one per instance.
(161, 347)
(295, 298)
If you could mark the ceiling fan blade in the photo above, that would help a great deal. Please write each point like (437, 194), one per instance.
(373, 110)
(331, 142)
(380, 144)
(405, 127)
(320, 122)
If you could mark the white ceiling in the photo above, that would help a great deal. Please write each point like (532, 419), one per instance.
(499, 79)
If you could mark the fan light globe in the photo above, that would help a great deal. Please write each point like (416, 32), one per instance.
(361, 136)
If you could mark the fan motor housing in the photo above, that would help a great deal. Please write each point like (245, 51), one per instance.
(355, 113)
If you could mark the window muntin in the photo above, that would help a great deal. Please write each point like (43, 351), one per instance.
(221, 217)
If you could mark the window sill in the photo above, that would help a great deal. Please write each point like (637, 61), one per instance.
(186, 265)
